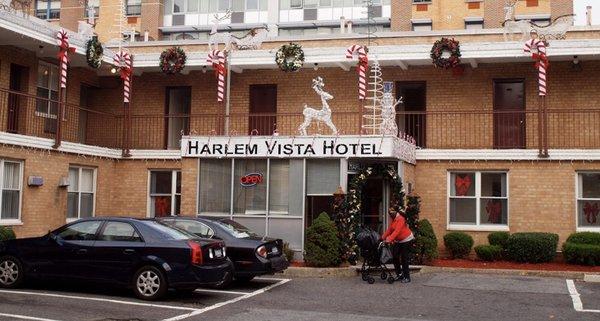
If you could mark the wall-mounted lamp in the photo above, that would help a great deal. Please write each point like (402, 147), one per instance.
(576, 64)
(203, 69)
(113, 70)
(316, 66)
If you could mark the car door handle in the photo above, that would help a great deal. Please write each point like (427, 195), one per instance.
(82, 251)
(128, 251)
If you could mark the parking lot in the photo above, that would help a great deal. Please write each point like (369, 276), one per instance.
(435, 296)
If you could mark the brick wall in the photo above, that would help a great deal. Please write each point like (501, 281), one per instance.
(561, 7)
(401, 15)
(493, 14)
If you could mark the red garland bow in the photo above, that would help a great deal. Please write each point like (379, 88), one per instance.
(494, 210)
(63, 43)
(540, 58)
(363, 61)
(591, 212)
(462, 185)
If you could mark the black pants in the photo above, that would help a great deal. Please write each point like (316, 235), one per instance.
(401, 252)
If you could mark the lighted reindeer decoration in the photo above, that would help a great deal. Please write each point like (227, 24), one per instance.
(251, 40)
(556, 29)
(23, 5)
(319, 115)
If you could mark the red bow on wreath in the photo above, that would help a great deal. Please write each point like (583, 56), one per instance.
(494, 210)
(591, 212)
(462, 185)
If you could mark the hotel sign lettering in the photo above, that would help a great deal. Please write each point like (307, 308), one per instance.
(291, 147)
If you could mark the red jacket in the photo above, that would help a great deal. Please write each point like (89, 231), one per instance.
(397, 231)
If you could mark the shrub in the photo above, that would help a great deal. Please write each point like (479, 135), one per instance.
(6, 234)
(458, 243)
(592, 238)
(288, 252)
(322, 243)
(498, 238)
(582, 248)
(532, 247)
(586, 254)
(425, 248)
(489, 252)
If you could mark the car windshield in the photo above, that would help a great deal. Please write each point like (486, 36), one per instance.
(236, 229)
(168, 232)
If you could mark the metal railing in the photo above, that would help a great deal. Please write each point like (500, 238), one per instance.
(568, 128)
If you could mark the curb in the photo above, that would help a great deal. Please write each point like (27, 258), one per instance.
(591, 278)
(312, 272)
(559, 274)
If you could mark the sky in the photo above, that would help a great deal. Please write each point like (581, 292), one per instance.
(579, 7)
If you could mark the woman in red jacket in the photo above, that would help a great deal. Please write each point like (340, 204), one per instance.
(401, 237)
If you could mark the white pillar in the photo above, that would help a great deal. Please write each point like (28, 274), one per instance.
(273, 18)
(588, 15)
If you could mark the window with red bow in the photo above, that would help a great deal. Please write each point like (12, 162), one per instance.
(478, 198)
(165, 193)
(588, 199)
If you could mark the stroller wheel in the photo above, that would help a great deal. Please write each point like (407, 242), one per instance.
(365, 276)
(391, 279)
(383, 275)
(371, 280)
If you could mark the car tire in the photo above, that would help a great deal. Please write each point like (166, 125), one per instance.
(149, 283)
(244, 279)
(12, 272)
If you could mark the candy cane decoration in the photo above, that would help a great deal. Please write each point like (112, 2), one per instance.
(363, 63)
(124, 61)
(541, 61)
(217, 59)
(63, 55)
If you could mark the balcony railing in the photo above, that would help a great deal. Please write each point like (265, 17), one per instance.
(26, 114)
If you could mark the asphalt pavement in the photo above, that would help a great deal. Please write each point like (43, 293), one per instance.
(435, 296)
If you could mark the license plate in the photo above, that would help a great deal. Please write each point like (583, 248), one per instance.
(218, 253)
(275, 250)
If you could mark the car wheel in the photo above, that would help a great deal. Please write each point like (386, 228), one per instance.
(149, 283)
(244, 279)
(11, 272)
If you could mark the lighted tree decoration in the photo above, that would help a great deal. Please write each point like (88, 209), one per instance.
(372, 116)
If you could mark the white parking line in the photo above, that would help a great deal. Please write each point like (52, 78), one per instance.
(53, 295)
(220, 291)
(576, 298)
(220, 304)
(24, 317)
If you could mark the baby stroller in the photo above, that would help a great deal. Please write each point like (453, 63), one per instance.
(370, 250)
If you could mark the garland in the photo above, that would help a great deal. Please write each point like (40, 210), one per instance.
(94, 52)
(290, 57)
(438, 49)
(172, 60)
(348, 220)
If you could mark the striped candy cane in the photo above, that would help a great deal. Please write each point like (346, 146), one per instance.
(124, 61)
(217, 59)
(363, 63)
(62, 39)
(541, 61)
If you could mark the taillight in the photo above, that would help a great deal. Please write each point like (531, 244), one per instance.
(196, 256)
(262, 251)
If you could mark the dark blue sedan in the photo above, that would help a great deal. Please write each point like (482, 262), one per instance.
(142, 254)
(252, 255)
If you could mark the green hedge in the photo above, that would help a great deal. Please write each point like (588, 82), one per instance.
(489, 252)
(322, 243)
(6, 234)
(592, 238)
(426, 246)
(582, 248)
(499, 239)
(459, 244)
(532, 247)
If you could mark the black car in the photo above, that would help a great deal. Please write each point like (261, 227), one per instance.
(142, 254)
(252, 255)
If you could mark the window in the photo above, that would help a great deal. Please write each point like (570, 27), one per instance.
(119, 232)
(10, 198)
(194, 227)
(224, 5)
(134, 7)
(92, 4)
(478, 199)
(322, 180)
(82, 231)
(80, 194)
(588, 200)
(296, 4)
(473, 24)
(421, 26)
(421, 1)
(215, 186)
(47, 9)
(47, 90)
(250, 198)
(165, 193)
(532, 3)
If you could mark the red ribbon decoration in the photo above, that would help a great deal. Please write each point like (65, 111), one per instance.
(63, 43)
(494, 210)
(462, 185)
(591, 212)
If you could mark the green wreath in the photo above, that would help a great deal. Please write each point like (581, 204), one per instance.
(348, 220)
(172, 60)
(446, 45)
(94, 52)
(290, 57)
